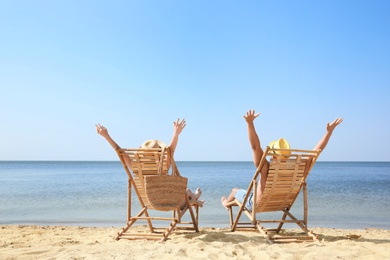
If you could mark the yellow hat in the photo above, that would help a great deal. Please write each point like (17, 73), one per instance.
(280, 144)
(153, 144)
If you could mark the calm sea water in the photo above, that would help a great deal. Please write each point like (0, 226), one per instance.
(341, 194)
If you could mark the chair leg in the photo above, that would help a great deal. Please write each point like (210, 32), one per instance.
(169, 231)
(296, 221)
(230, 209)
(194, 216)
(281, 223)
(194, 219)
(305, 203)
(233, 228)
(124, 230)
(131, 221)
(303, 226)
(197, 214)
(264, 232)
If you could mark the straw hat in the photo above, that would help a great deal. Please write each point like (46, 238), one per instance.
(153, 144)
(280, 144)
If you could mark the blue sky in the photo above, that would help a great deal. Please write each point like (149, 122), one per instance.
(136, 66)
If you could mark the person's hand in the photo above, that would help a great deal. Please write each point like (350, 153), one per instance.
(178, 126)
(332, 126)
(101, 130)
(250, 116)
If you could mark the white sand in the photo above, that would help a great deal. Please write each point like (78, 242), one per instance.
(69, 242)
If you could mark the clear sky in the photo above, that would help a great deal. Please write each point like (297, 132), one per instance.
(136, 66)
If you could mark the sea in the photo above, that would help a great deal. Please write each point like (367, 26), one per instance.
(347, 195)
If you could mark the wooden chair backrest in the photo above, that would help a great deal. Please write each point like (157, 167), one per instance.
(144, 162)
(286, 176)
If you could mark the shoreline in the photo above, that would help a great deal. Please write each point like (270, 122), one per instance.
(87, 242)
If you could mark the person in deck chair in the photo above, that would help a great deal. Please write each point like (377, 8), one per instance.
(178, 127)
(257, 151)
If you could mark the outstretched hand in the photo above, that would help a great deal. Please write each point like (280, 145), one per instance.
(178, 126)
(101, 130)
(331, 126)
(251, 115)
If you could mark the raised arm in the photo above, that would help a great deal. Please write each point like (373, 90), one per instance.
(178, 126)
(101, 130)
(329, 130)
(253, 137)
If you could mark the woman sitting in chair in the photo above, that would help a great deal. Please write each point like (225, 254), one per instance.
(178, 127)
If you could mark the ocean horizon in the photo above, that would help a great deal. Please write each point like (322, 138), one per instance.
(341, 194)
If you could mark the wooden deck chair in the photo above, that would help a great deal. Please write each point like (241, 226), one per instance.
(286, 178)
(156, 190)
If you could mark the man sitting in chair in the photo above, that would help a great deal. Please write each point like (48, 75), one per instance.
(254, 140)
(178, 127)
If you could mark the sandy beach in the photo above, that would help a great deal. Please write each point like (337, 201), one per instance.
(71, 242)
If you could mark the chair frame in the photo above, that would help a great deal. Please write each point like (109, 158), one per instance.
(286, 179)
(136, 184)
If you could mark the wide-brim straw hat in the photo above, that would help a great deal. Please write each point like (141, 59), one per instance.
(280, 144)
(153, 144)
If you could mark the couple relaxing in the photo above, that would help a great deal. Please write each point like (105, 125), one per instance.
(178, 127)
(254, 140)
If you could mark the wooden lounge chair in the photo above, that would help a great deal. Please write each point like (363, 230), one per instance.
(286, 178)
(145, 164)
